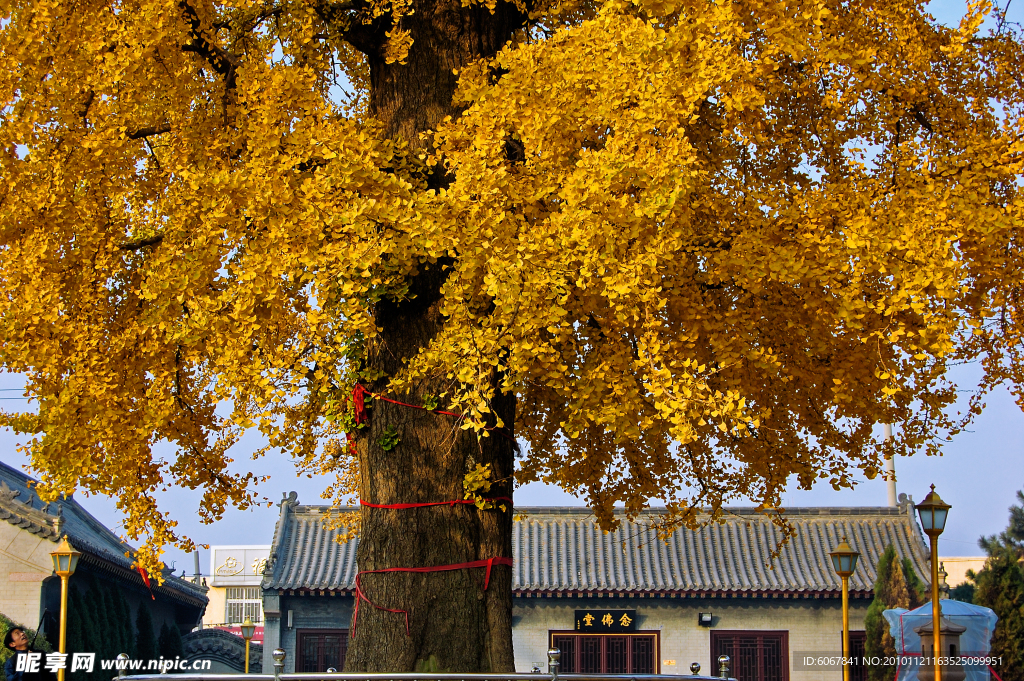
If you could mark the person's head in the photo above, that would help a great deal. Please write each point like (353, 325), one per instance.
(16, 638)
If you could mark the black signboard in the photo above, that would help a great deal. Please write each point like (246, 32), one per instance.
(600, 621)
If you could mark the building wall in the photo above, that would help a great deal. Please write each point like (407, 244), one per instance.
(814, 626)
(216, 609)
(24, 563)
(307, 612)
(957, 567)
(234, 565)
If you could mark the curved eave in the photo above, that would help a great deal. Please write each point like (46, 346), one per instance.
(133, 577)
(313, 592)
(540, 593)
(683, 593)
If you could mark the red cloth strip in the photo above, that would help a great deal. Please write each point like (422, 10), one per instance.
(488, 563)
(414, 406)
(359, 404)
(360, 391)
(145, 580)
(402, 507)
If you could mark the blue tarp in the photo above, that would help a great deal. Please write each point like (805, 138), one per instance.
(974, 643)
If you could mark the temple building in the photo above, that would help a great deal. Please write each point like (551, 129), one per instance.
(29, 589)
(625, 601)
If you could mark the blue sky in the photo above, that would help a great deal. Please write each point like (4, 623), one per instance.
(978, 472)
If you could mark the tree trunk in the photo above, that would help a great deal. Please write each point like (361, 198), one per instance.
(454, 623)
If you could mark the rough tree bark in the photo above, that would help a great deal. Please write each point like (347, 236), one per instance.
(454, 624)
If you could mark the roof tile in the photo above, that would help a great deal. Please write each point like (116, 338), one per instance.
(564, 549)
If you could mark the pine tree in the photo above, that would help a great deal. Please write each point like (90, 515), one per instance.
(170, 645)
(1000, 586)
(962, 592)
(1013, 536)
(145, 639)
(95, 633)
(115, 630)
(897, 586)
(98, 637)
(124, 623)
(75, 631)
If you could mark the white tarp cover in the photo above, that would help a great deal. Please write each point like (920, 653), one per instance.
(975, 642)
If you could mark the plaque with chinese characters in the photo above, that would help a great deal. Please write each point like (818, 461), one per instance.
(599, 621)
(238, 565)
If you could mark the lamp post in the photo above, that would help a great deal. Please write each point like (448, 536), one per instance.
(933, 512)
(65, 560)
(844, 562)
(248, 629)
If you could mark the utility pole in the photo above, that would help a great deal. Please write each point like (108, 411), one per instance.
(890, 469)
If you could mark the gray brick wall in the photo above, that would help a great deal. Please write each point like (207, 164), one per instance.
(307, 612)
(813, 625)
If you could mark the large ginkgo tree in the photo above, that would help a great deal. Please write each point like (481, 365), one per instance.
(679, 250)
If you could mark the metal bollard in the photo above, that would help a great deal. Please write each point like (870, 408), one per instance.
(554, 660)
(123, 659)
(278, 656)
(723, 666)
(695, 668)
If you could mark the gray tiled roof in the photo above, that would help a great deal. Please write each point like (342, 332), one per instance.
(306, 555)
(20, 506)
(562, 550)
(565, 550)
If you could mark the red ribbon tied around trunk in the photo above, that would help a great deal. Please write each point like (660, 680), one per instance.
(403, 507)
(358, 404)
(487, 562)
(360, 392)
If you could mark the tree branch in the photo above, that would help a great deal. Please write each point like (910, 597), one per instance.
(83, 113)
(142, 243)
(364, 37)
(255, 21)
(148, 131)
(222, 61)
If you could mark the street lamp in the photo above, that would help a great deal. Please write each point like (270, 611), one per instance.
(844, 562)
(933, 512)
(248, 629)
(65, 560)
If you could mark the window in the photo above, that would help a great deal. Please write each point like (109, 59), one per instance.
(607, 653)
(321, 649)
(755, 655)
(244, 601)
(858, 639)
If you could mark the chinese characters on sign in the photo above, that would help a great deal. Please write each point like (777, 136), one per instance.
(600, 621)
(238, 565)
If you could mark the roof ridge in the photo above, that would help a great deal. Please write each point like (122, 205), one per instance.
(320, 509)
